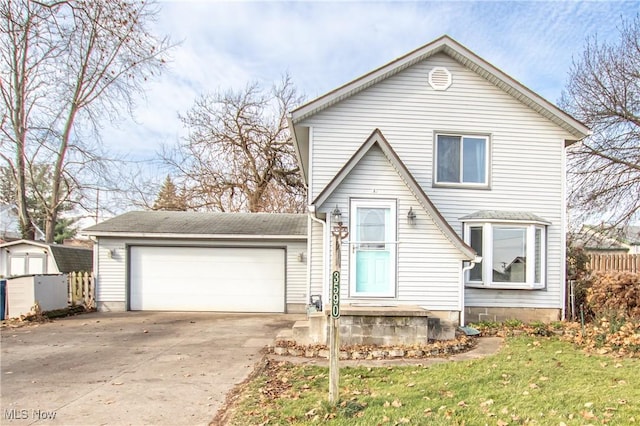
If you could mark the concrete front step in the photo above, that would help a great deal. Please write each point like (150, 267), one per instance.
(300, 332)
(380, 326)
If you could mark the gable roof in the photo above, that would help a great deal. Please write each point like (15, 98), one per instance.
(68, 259)
(72, 259)
(464, 56)
(606, 237)
(377, 139)
(177, 224)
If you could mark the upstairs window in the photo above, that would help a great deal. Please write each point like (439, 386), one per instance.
(462, 160)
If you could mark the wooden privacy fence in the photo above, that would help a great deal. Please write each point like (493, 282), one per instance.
(614, 263)
(81, 289)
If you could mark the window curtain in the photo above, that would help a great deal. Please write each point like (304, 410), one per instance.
(474, 153)
(448, 158)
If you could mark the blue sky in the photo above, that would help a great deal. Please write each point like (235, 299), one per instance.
(322, 45)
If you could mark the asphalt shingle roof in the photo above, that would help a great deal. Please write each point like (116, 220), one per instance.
(608, 238)
(203, 223)
(503, 215)
(72, 259)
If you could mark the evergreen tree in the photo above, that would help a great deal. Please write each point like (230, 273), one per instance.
(169, 198)
(65, 229)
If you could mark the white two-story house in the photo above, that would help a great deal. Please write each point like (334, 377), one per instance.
(450, 176)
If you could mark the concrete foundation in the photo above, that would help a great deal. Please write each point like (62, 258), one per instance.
(296, 308)
(111, 306)
(377, 326)
(526, 315)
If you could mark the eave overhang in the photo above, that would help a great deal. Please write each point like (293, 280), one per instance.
(467, 58)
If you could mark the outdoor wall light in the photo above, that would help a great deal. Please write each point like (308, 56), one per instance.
(336, 216)
(301, 257)
(411, 216)
(339, 230)
(111, 253)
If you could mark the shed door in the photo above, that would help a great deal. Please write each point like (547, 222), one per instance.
(26, 264)
(207, 279)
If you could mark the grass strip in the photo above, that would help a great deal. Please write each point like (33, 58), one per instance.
(533, 380)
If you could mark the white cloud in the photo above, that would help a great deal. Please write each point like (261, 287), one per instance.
(325, 44)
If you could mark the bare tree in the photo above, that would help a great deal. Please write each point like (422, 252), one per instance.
(604, 92)
(64, 66)
(238, 155)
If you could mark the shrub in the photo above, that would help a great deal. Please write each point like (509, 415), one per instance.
(577, 261)
(513, 323)
(617, 336)
(581, 287)
(613, 295)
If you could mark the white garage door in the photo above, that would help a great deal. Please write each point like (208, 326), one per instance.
(207, 279)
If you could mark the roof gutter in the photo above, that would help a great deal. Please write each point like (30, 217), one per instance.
(296, 147)
(126, 234)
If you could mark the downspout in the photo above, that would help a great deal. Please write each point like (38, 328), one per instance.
(470, 266)
(96, 268)
(312, 215)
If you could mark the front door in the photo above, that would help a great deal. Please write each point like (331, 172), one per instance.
(373, 248)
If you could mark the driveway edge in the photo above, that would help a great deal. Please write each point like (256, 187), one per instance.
(222, 416)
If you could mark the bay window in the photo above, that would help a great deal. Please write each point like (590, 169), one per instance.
(513, 254)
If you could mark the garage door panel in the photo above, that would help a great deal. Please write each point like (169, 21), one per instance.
(207, 279)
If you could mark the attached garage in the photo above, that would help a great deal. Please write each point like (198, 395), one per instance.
(207, 279)
(193, 261)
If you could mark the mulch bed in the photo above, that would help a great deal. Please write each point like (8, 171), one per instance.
(431, 349)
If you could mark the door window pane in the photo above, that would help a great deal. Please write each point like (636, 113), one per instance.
(35, 265)
(371, 224)
(509, 254)
(17, 265)
(448, 148)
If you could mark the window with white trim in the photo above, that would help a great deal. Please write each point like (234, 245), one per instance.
(461, 160)
(513, 254)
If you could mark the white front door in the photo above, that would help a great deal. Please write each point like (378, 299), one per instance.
(373, 248)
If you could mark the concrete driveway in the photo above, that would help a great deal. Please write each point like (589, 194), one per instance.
(134, 368)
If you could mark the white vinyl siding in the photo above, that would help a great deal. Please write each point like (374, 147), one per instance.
(316, 257)
(409, 113)
(296, 272)
(112, 280)
(111, 275)
(429, 266)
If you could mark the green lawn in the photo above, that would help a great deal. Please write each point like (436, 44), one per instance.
(541, 381)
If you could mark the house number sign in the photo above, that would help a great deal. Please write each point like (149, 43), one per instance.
(335, 294)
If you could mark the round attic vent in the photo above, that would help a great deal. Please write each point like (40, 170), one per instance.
(440, 78)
